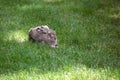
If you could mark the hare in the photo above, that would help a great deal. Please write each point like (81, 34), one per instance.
(43, 35)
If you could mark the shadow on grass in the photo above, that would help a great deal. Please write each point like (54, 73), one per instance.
(17, 55)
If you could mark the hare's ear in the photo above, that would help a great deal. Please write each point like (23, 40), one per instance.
(44, 32)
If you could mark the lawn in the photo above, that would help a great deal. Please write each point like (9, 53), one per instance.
(89, 40)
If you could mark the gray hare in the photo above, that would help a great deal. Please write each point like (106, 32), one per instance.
(43, 35)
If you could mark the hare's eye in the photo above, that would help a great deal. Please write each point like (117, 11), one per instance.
(38, 29)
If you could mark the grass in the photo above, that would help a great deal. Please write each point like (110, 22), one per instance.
(89, 40)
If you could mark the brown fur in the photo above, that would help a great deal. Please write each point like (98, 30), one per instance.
(43, 35)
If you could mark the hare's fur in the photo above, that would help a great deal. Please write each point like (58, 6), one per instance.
(43, 35)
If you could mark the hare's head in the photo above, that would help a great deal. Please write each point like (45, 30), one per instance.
(52, 38)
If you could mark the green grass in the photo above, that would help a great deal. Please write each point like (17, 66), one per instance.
(89, 40)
